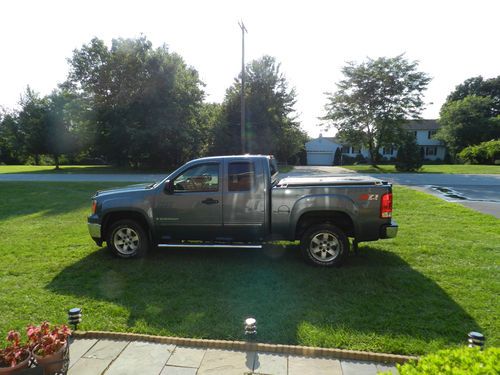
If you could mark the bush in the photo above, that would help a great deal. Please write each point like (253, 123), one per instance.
(463, 361)
(409, 158)
(483, 153)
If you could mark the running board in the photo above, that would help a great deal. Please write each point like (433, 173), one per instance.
(224, 246)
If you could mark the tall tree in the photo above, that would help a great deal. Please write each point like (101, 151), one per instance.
(145, 101)
(374, 99)
(466, 122)
(480, 87)
(271, 126)
(32, 120)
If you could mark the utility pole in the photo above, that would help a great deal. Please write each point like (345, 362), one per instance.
(243, 138)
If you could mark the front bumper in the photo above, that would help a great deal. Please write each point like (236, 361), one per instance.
(95, 232)
(389, 231)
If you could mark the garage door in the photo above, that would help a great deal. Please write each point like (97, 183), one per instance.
(319, 158)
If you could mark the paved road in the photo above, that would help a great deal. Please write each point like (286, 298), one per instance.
(477, 191)
(480, 192)
(47, 177)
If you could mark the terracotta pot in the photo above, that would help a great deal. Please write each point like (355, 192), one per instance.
(14, 370)
(51, 363)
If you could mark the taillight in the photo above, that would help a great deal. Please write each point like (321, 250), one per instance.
(94, 206)
(386, 206)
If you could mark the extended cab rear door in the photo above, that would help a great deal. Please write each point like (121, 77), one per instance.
(244, 209)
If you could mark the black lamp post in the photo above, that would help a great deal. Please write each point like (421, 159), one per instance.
(476, 339)
(250, 327)
(75, 317)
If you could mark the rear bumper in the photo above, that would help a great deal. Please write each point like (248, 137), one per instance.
(389, 231)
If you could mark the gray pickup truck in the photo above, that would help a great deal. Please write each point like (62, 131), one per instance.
(239, 202)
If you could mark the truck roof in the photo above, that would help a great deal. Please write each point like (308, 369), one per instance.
(249, 156)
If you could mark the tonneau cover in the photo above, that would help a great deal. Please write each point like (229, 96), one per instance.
(329, 180)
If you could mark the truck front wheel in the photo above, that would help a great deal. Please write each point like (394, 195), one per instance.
(127, 239)
(324, 245)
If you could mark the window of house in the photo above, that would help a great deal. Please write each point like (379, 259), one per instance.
(346, 149)
(430, 134)
(415, 132)
(356, 150)
(387, 150)
(199, 178)
(431, 150)
(241, 176)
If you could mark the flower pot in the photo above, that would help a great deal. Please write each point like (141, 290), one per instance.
(17, 368)
(51, 363)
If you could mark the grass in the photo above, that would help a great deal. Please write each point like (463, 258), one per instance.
(415, 294)
(73, 169)
(430, 168)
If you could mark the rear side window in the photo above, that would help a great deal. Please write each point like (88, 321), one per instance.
(241, 176)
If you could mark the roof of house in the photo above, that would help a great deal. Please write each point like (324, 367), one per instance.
(422, 125)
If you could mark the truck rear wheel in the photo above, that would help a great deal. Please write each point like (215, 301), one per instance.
(127, 239)
(324, 245)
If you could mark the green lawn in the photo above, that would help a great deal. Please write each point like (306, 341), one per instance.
(414, 294)
(430, 168)
(73, 169)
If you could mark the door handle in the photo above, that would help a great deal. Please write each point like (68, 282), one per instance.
(210, 201)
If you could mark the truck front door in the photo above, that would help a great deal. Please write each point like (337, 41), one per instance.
(193, 210)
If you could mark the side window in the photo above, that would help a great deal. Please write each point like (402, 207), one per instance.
(201, 177)
(241, 176)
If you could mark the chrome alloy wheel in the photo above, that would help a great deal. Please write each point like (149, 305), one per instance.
(324, 247)
(126, 241)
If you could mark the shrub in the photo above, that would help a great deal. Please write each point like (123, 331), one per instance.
(409, 158)
(483, 153)
(462, 361)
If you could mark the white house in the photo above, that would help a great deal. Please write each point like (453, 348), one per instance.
(321, 151)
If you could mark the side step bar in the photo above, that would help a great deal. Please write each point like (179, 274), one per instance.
(224, 246)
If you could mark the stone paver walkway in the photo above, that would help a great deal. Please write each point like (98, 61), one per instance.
(112, 357)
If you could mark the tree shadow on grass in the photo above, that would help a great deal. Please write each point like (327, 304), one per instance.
(48, 198)
(375, 301)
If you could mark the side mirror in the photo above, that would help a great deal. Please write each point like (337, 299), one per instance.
(169, 187)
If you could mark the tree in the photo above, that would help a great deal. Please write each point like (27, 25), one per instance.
(408, 158)
(373, 101)
(478, 86)
(145, 102)
(11, 140)
(59, 138)
(32, 122)
(467, 122)
(271, 126)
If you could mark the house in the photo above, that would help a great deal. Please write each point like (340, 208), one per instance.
(424, 130)
(321, 151)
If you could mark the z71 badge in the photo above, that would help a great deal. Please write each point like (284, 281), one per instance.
(368, 197)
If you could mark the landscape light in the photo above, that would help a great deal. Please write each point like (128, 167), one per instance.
(75, 317)
(250, 326)
(476, 339)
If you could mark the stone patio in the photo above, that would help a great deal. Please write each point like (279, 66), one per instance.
(119, 357)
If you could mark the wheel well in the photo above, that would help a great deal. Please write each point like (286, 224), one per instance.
(113, 217)
(340, 219)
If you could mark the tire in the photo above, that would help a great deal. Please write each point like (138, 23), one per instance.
(324, 245)
(127, 239)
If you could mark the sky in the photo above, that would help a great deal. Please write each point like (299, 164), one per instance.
(313, 40)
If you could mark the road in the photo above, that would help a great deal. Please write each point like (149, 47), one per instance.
(479, 192)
